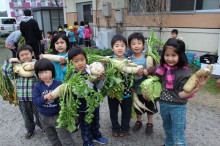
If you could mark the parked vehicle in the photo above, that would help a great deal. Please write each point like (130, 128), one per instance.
(8, 25)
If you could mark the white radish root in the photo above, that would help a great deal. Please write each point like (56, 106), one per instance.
(28, 66)
(96, 68)
(17, 68)
(140, 104)
(52, 57)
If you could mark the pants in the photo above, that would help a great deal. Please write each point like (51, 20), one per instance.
(56, 136)
(80, 42)
(72, 44)
(28, 111)
(42, 48)
(36, 48)
(77, 39)
(89, 131)
(14, 52)
(87, 42)
(126, 113)
(174, 123)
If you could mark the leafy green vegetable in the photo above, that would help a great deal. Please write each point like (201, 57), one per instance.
(151, 87)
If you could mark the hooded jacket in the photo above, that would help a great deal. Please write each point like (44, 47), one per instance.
(30, 30)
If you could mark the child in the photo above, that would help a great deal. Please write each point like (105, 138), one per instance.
(24, 87)
(173, 100)
(90, 132)
(42, 49)
(48, 40)
(71, 36)
(80, 32)
(75, 28)
(12, 42)
(55, 33)
(119, 45)
(60, 46)
(87, 35)
(66, 29)
(174, 34)
(136, 43)
(49, 109)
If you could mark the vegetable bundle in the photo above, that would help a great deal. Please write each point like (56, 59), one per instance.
(192, 82)
(7, 90)
(151, 87)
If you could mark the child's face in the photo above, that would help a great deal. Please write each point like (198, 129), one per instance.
(119, 48)
(80, 62)
(86, 25)
(48, 35)
(71, 30)
(45, 76)
(137, 46)
(25, 56)
(61, 46)
(174, 35)
(170, 56)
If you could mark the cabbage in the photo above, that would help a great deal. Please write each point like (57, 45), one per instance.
(151, 87)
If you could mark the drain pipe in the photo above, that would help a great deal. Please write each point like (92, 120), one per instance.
(64, 11)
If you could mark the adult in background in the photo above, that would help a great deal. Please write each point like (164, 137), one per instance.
(30, 31)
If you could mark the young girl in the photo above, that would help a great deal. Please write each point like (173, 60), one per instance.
(173, 73)
(71, 36)
(24, 87)
(60, 46)
(87, 35)
(90, 132)
(119, 45)
(136, 43)
(75, 28)
(49, 109)
(80, 32)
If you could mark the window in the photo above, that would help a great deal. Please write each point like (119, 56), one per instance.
(8, 21)
(33, 3)
(43, 3)
(15, 3)
(207, 4)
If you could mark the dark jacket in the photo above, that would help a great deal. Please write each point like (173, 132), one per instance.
(30, 30)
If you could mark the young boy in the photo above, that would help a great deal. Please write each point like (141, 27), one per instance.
(90, 132)
(75, 28)
(49, 109)
(136, 43)
(71, 36)
(24, 87)
(174, 34)
(48, 40)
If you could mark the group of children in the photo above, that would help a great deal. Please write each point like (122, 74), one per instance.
(172, 71)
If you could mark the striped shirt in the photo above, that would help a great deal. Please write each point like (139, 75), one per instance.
(24, 86)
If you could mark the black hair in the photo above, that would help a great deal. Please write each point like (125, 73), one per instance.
(43, 65)
(27, 12)
(82, 23)
(62, 32)
(75, 23)
(65, 25)
(136, 35)
(179, 46)
(87, 23)
(54, 40)
(60, 27)
(24, 47)
(55, 32)
(174, 31)
(118, 37)
(74, 51)
(49, 32)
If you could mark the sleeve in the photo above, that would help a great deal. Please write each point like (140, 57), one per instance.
(38, 99)
(78, 30)
(90, 31)
(17, 35)
(152, 70)
(7, 69)
(182, 82)
(22, 29)
(100, 84)
(37, 31)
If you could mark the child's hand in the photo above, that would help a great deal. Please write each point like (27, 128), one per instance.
(201, 82)
(104, 61)
(40, 56)
(32, 65)
(140, 72)
(48, 96)
(145, 72)
(62, 60)
(102, 76)
(145, 97)
(15, 60)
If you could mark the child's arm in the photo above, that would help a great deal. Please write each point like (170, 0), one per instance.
(38, 99)
(201, 82)
(150, 70)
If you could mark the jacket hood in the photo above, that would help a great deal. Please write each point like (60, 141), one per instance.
(26, 18)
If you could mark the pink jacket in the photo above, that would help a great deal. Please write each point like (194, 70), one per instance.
(87, 32)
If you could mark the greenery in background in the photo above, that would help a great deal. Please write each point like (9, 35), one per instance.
(104, 52)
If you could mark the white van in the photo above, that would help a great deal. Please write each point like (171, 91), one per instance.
(8, 25)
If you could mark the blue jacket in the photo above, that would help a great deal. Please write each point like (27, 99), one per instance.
(80, 31)
(46, 108)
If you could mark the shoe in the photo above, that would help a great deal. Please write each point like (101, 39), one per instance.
(42, 130)
(115, 133)
(29, 135)
(137, 126)
(101, 140)
(77, 126)
(123, 133)
(149, 128)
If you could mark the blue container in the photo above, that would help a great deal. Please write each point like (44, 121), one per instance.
(190, 57)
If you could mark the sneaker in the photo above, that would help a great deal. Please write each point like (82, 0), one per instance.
(115, 133)
(101, 140)
(123, 133)
(137, 126)
(29, 134)
(149, 128)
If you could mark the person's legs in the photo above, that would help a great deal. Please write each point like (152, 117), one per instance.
(36, 48)
(167, 123)
(14, 52)
(178, 117)
(126, 113)
(36, 115)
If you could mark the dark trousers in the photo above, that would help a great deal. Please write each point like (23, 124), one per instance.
(89, 131)
(14, 52)
(72, 44)
(36, 48)
(125, 116)
(87, 42)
